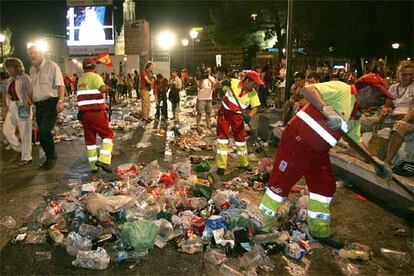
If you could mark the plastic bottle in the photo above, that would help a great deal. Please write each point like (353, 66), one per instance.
(97, 259)
(192, 245)
(49, 214)
(399, 258)
(197, 203)
(103, 216)
(75, 242)
(125, 256)
(78, 219)
(90, 231)
(354, 254)
(294, 251)
(226, 270)
(55, 234)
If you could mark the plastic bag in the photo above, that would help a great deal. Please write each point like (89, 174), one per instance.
(139, 234)
(128, 170)
(150, 174)
(183, 169)
(97, 259)
(112, 204)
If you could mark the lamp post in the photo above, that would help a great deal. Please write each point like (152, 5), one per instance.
(2, 39)
(395, 46)
(166, 40)
(185, 42)
(193, 35)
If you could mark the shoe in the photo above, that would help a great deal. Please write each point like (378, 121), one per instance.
(331, 241)
(246, 169)
(48, 164)
(105, 167)
(220, 171)
(24, 162)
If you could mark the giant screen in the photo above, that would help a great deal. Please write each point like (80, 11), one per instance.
(89, 26)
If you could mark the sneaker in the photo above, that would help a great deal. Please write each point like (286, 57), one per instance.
(331, 241)
(105, 167)
(220, 171)
(48, 164)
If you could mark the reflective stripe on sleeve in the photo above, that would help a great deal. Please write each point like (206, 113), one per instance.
(317, 128)
(274, 196)
(266, 210)
(88, 92)
(320, 198)
(318, 215)
(87, 102)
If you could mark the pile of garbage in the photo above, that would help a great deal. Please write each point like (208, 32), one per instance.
(122, 221)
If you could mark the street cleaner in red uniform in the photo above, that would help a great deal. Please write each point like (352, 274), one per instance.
(92, 114)
(231, 117)
(333, 108)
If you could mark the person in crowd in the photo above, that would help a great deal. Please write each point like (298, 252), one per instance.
(175, 86)
(204, 98)
(262, 91)
(92, 114)
(120, 86)
(68, 84)
(333, 108)
(397, 110)
(19, 114)
(240, 94)
(282, 85)
(146, 87)
(160, 93)
(296, 101)
(74, 83)
(48, 97)
(136, 84)
(129, 85)
(3, 92)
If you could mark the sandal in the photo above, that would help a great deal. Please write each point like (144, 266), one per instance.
(24, 162)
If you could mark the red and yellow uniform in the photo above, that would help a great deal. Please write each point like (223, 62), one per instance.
(231, 117)
(91, 104)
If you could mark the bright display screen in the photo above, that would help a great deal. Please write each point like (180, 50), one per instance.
(89, 26)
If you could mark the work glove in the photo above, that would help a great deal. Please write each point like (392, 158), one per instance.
(226, 83)
(247, 118)
(334, 119)
(382, 170)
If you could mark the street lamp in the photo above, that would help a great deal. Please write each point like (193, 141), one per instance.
(395, 46)
(166, 40)
(2, 39)
(41, 45)
(193, 35)
(185, 42)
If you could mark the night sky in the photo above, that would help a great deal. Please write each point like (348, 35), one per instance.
(379, 22)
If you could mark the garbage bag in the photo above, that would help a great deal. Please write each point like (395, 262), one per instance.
(203, 166)
(112, 204)
(139, 234)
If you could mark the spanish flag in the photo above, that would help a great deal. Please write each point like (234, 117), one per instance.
(104, 59)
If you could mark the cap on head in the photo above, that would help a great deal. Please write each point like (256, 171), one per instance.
(88, 63)
(254, 76)
(374, 80)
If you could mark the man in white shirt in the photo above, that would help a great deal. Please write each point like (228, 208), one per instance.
(48, 96)
(205, 97)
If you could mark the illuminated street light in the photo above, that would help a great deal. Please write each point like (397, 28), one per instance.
(41, 45)
(166, 40)
(2, 39)
(253, 16)
(185, 42)
(193, 34)
(395, 46)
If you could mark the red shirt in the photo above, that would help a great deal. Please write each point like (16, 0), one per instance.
(12, 91)
(143, 80)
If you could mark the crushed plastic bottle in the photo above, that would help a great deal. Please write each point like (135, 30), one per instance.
(49, 214)
(75, 242)
(196, 203)
(226, 270)
(398, 258)
(90, 231)
(354, 254)
(97, 259)
(8, 222)
(128, 256)
(55, 234)
(192, 245)
(294, 251)
(215, 256)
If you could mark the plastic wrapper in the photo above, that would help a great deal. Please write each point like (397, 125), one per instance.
(96, 260)
(139, 234)
(75, 242)
(127, 170)
(150, 174)
(183, 169)
(112, 204)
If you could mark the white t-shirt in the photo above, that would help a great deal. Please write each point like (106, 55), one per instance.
(206, 92)
(404, 98)
(47, 81)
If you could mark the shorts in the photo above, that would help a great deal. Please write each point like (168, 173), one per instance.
(204, 106)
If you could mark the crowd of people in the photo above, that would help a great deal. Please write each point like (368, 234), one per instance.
(46, 87)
